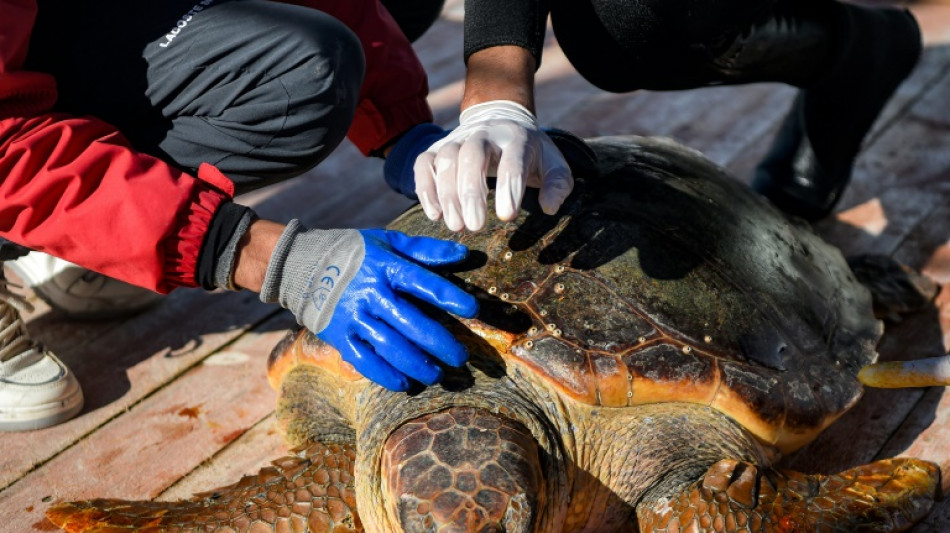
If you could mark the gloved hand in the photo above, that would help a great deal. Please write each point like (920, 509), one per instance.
(398, 169)
(498, 138)
(344, 286)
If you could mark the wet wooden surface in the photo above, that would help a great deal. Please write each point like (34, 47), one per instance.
(177, 400)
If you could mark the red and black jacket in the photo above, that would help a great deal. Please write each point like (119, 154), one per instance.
(71, 186)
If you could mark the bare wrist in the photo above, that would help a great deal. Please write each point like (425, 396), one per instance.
(254, 252)
(500, 73)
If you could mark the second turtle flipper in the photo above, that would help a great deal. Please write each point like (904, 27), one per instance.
(885, 496)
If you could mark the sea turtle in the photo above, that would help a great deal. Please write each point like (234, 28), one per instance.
(639, 363)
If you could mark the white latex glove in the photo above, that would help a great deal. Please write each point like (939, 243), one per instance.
(498, 138)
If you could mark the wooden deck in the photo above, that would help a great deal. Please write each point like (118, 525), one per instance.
(176, 398)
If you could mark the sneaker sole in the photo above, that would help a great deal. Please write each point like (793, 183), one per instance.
(79, 307)
(42, 416)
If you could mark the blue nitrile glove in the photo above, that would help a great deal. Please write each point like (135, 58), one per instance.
(344, 286)
(398, 168)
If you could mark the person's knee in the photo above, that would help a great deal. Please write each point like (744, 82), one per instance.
(285, 100)
(322, 90)
(646, 44)
(302, 108)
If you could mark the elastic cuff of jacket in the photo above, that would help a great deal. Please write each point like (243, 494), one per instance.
(224, 270)
(225, 223)
(183, 249)
(398, 169)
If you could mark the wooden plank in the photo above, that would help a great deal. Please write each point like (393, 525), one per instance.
(870, 228)
(118, 370)
(934, 19)
(938, 268)
(156, 442)
(246, 455)
(924, 435)
(938, 521)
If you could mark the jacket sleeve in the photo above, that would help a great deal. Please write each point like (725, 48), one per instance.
(491, 23)
(73, 187)
(393, 96)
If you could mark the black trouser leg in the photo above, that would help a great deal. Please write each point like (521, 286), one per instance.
(414, 16)
(263, 90)
(811, 160)
(848, 59)
(623, 46)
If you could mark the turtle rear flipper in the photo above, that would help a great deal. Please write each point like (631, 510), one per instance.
(885, 496)
(309, 491)
(896, 289)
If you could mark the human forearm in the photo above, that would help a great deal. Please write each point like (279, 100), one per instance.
(93, 200)
(500, 73)
(254, 252)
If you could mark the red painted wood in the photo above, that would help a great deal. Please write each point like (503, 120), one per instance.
(158, 441)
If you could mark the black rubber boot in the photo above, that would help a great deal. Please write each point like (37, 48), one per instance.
(811, 159)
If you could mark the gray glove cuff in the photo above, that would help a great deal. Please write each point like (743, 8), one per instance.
(224, 269)
(310, 269)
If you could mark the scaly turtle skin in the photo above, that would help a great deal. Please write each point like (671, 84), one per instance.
(640, 362)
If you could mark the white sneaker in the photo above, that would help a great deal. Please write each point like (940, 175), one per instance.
(78, 292)
(36, 389)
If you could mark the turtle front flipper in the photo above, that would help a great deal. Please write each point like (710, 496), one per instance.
(885, 496)
(309, 491)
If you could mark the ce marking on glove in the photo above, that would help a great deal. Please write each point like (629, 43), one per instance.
(320, 290)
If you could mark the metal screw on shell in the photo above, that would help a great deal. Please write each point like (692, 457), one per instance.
(508, 255)
(630, 393)
(552, 327)
(559, 269)
(504, 296)
(687, 349)
(533, 331)
(708, 339)
(557, 333)
(543, 312)
(641, 340)
(492, 290)
(559, 288)
(529, 344)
